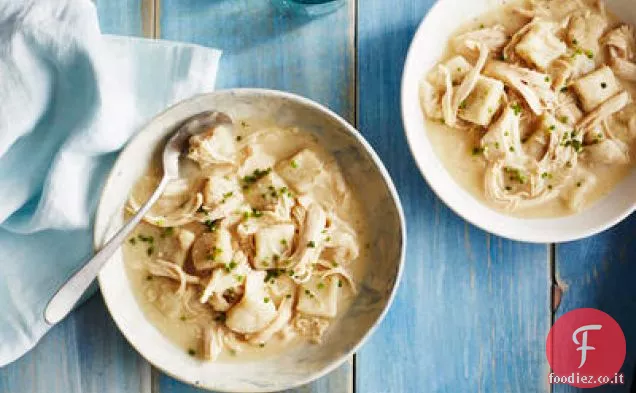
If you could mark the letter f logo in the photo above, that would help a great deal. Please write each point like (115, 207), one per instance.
(584, 347)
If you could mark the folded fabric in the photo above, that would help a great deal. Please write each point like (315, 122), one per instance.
(70, 98)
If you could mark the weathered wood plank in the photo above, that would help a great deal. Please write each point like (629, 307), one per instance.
(264, 48)
(85, 353)
(473, 310)
(599, 272)
(122, 17)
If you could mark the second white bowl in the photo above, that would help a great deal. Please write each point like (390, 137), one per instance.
(426, 49)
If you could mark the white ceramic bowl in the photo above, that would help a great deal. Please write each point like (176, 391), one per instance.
(426, 49)
(361, 167)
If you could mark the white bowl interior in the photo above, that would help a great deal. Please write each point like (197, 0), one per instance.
(426, 49)
(303, 364)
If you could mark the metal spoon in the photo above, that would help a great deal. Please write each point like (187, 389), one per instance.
(69, 293)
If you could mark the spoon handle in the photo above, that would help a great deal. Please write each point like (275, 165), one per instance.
(70, 292)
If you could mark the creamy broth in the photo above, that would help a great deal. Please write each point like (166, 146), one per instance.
(461, 150)
(259, 146)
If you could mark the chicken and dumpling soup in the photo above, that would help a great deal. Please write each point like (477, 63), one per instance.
(257, 247)
(531, 107)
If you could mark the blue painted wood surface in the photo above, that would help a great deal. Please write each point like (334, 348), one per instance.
(600, 273)
(85, 353)
(473, 310)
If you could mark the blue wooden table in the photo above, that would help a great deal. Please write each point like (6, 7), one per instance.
(473, 310)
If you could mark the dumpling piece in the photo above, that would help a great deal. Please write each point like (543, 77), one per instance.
(540, 46)
(219, 190)
(301, 170)
(255, 310)
(457, 66)
(216, 145)
(596, 87)
(614, 104)
(271, 243)
(227, 277)
(607, 151)
(494, 38)
(254, 159)
(175, 244)
(585, 30)
(319, 297)
(341, 243)
(581, 184)
(502, 141)
(212, 249)
(483, 102)
(222, 196)
(285, 312)
(271, 193)
(556, 10)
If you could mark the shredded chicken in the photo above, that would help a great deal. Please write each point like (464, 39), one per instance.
(172, 210)
(605, 110)
(533, 86)
(169, 269)
(493, 38)
(621, 46)
(468, 84)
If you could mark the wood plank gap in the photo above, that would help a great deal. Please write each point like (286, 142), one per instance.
(146, 378)
(148, 19)
(356, 92)
(157, 19)
(554, 284)
(155, 375)
(553, 288)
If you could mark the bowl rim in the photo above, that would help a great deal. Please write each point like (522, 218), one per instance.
(372, 155)
(410, 129)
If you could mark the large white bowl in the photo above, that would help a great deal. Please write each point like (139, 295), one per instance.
(426, 49)
(363, 170)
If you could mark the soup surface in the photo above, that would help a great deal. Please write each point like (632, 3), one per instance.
(530, 109)
(257, 247)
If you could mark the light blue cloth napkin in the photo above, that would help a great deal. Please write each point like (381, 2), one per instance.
(69, 99)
